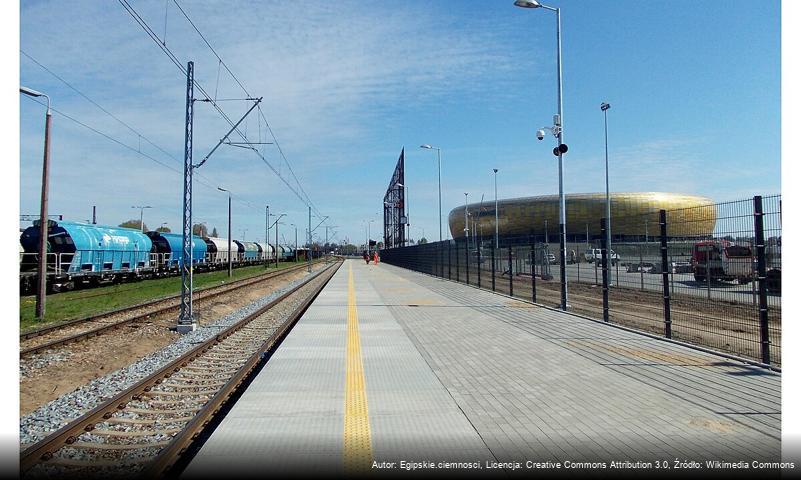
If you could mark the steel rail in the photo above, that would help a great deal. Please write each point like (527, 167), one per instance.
(142, 316)
(43, 450)
(45, 330)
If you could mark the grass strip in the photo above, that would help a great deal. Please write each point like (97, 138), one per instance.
(76, 304)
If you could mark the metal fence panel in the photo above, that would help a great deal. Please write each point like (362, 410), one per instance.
(706, 291)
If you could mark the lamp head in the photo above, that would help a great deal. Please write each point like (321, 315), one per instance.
(605, 106)
(495, 170)
(31, 92)
(527, 3)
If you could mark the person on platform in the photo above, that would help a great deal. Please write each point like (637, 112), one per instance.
(375, 257)
(366, 257)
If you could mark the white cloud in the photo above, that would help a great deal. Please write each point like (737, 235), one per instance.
(331, 76)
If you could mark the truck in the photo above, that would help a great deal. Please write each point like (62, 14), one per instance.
(722, 260)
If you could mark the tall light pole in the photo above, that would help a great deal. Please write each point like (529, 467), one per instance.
(267, 235)
(466, 228)
(230, 262)
(604, 107)
(495, 171)
(558, 131)
(141, 216)
(369, 234)
(439, 183)
(244, 231)
(276, 237)
(42, 273)
(296, 241)
(405, 209)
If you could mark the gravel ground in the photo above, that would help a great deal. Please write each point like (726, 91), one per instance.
(54, 415)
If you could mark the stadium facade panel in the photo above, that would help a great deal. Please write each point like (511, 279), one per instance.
(633, 215)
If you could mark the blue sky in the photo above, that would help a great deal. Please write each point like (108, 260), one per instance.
(694, 88)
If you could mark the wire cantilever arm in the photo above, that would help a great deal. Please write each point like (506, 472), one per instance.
(222, 140)
(321, 222)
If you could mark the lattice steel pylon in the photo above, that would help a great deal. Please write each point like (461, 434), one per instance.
(186, 322)
(395, 208)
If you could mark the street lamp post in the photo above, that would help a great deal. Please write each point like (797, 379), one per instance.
(406, 206)
(296, 241)
(466, 228)
(604, 107)
(267, 236)
(276, 237)
(558, 131)
(439, 183)
(369, 234)
(42, 271)
(230, 262)
(141, 216)
(495, 171)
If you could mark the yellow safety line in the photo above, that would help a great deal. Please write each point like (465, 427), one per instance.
(357, 452)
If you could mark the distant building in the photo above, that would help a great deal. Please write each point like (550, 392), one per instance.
(633, 215)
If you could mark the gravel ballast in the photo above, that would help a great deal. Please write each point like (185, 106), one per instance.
(54, 415)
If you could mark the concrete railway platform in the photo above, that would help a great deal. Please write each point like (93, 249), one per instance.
(390, 366)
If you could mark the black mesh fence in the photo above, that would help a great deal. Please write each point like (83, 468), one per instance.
(707, 275)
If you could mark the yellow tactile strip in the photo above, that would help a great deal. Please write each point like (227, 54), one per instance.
(357, 452)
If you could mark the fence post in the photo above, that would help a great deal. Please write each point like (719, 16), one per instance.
(478, 265)
(759, 230)
(493, 267)
(449, 259)
(605, 269)
(467, 260)
(511, 288)
(665, 280)
(456, 257)
(441, 260)
(533, 276)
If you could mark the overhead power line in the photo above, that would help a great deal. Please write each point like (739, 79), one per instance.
(162, 45)
(131, 148)
(261, 113)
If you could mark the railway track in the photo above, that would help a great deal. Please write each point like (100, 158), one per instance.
(145, 430)
(77, 330)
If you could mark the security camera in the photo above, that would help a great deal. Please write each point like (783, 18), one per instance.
(540, 134)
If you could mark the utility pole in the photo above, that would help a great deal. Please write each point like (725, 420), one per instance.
(310, 243)
(230, 265)
(186, 322)
(296, 241)
(44, 223)
(141, 216)
(276, 241)
(94, 214)
(267, 237)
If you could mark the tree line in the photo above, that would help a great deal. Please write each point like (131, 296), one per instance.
(198, 229)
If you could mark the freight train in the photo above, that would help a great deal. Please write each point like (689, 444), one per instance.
(85, 255)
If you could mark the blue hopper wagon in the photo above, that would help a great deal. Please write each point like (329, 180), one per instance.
(169, 249)
(86, 253)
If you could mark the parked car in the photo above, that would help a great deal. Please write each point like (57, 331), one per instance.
(594, 255)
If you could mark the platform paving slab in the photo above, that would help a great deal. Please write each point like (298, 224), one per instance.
(458, 373)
